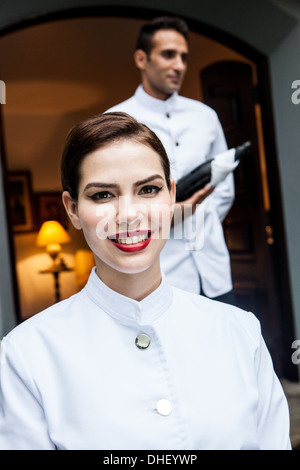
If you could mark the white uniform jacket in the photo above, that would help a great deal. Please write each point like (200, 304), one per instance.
(191, 134)
(72, 377)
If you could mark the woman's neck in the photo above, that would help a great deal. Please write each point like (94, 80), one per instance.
(136, 286)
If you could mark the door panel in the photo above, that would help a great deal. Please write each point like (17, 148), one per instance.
(228, 88)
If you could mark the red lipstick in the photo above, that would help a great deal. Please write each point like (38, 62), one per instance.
(132, 247)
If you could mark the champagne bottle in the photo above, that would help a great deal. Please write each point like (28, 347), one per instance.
(211, 172)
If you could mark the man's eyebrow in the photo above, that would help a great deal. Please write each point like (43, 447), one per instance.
(169, 49)
(148, 180)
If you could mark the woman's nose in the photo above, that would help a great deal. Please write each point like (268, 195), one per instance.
(128, 212)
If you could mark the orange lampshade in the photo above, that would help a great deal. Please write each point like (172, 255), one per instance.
(52, 232)
(52, 235)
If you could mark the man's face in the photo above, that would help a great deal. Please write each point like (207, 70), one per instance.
(163, 72)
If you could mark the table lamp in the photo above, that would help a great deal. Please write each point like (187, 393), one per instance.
(52, 235)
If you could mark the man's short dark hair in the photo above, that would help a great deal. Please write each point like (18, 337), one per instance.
(148, 30)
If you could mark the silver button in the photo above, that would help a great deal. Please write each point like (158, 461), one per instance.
(164, 407)
(142, 341)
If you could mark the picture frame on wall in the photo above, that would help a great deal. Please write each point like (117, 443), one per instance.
(20, 201)
(49, 206)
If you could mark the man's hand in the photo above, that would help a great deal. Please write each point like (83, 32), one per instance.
(195, 199)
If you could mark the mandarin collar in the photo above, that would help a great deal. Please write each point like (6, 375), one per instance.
(155, 104)
(125, 309)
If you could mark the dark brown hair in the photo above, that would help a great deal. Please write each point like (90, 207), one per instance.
(144, 40)
(99, 131)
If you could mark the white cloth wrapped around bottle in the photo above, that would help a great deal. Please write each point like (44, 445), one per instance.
(223, 164)
(211, 172)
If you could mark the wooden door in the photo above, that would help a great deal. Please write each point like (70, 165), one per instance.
(228, 88)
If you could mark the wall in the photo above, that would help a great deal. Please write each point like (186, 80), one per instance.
(239, 18)
(285, 68)
(7, 307)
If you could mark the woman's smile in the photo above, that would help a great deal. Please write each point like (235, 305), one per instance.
(130, 243)
(130, 238)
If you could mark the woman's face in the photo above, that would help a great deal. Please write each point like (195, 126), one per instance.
(124, 206)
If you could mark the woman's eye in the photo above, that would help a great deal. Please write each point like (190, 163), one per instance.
(150, 189)
(101, 196)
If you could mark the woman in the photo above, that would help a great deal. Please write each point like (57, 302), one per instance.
(130, 362)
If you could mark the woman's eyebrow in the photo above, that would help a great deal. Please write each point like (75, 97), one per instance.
(115, 186)
(101, 185)
(148, 180)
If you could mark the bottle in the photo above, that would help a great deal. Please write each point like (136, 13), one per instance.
(211, 172)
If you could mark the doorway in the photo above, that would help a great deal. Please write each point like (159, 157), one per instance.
(48, 93)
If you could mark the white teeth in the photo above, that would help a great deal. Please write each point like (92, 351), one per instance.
(132, 240)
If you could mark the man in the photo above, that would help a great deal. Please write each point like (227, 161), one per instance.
(191, 134)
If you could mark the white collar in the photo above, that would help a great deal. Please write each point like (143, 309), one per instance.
(125, 309)
(150, 102)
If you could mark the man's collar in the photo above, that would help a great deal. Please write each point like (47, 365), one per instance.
(155, 103)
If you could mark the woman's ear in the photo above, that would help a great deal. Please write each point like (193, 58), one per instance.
(173, 191)
(173, 197)
(71, 209)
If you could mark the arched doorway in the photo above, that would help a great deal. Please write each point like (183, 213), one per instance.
(77, 98)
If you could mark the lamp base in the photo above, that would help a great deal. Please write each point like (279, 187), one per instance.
(56, 269)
